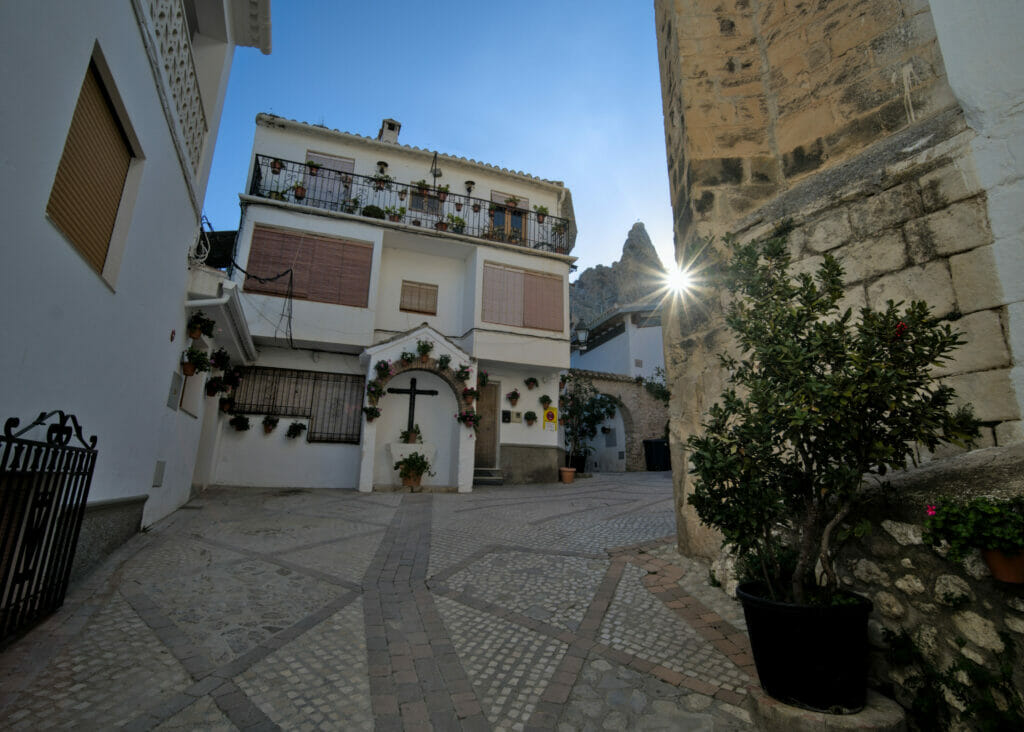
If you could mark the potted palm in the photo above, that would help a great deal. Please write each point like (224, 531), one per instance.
(411, 469)
(815, 402)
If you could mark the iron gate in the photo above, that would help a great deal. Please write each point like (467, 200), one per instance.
(43, 489)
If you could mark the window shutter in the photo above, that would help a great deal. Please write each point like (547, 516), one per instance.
(418, 297)
(355, 275)
(542, 302)
(90, 178)
(502, 296)
(273, 252)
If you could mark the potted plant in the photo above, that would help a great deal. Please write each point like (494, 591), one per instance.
(816, 401)
(995, 526)
(513, 397)
(421, 186)
(482, 378)
(350, 205)
(374, 212)
(374, 390)
(411, 469)
(295, 429)
(371, 413)
(530, 417)
(226, 404)
(441, 225)
(476, 207)
(199, 324)
(469, 394)
(220, 360)
(395, 214)
(542, 212)
(458, 205)
(416, 222)
(214, 386)
(407, 357)
(531, 382)
(583, 410)
(313, 168)
(193, 360)
(240, 422)
(566, 474)
(381, 181)
(457, 222)
(469, 418)
(559, 229)
(232, 377)
(299, 191)
(402, 193)
(269, 423)
(276, 166)
(424, 348)
(512, 201)
(346, 180)
(383, 369)
(411, 436)
(443, 361)
(462, 373)
(442, 193)
(545, 400)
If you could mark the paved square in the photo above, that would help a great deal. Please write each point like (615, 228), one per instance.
(557, 607)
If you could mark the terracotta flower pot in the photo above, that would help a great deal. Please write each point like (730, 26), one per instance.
(568, 475)
(413, 482)
(194, 333)
(267, 429)
(189, 369)
(1005, 567)
(425, 357)
(529, 422)
(513, 402)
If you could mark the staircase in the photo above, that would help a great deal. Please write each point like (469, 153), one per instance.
(488, 476)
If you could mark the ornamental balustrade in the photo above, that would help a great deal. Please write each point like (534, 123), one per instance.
(425, 206)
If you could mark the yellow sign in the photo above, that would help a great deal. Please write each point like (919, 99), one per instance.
(551, 418)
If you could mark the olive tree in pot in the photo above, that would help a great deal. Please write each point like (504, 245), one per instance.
(817, 401)
(583, 409)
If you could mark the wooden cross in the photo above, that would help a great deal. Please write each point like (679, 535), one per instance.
(412, 392)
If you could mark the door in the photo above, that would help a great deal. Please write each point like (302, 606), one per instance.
(486, 450)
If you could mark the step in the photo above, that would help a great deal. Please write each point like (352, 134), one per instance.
(488, 476)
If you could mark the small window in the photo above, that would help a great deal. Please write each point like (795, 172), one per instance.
(90, 180)
(424, 202)
(418, 297)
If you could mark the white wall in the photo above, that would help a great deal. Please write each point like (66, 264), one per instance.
(605, 458)
(445, 272)
(71, 341)
(519, 433)
(645, 344)
(619, 354)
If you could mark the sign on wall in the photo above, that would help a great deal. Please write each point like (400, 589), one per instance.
(551, 419)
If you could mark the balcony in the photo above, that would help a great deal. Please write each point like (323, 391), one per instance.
(382, 198)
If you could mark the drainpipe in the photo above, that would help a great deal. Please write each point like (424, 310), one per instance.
(239, 329)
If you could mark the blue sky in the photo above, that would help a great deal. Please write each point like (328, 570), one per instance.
(565, 89)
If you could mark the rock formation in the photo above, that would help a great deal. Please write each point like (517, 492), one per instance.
(635, 277)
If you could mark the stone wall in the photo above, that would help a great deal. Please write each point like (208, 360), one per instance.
(954, 613)
(643, 416)
(530, 463)
(839, 118)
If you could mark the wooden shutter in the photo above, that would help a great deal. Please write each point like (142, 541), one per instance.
(418, 297)
(324, 269)
(502, 295)
(542, 301)
(90, 178)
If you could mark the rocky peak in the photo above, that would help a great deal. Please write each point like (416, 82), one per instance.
(635, 277)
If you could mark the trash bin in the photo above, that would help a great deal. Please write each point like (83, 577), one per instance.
(656, 454)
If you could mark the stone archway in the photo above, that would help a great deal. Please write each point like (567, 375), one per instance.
(643, 416)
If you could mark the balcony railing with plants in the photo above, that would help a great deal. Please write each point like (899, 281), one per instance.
(416, 204)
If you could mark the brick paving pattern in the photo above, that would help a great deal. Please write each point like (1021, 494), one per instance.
(547, 607)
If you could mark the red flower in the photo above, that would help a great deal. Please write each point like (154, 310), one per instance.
(901, 328)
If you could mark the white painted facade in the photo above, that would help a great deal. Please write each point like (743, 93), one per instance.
(105, 346)
(636, 351)
(351, 339)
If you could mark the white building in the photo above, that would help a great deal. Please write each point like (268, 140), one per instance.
(474, 260)
(110, 115)
(625, 341)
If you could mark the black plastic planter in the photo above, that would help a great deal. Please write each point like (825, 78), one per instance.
(810, 656)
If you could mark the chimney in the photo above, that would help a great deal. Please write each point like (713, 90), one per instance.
(389, 130)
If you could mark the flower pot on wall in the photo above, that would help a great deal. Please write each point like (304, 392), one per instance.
(1005, 567)
(189, 369)
(810, 656)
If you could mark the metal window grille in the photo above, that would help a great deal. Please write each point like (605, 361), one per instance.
(332, 402)
(418, 297)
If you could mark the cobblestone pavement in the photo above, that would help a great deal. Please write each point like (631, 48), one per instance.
(554, 607)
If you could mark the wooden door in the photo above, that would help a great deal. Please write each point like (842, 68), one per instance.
(486, 451)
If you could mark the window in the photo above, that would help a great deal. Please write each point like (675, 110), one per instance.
(508, 221)
(424, 202)
(332, 402)
(90, 180)
(522, 298)
(324, 269)
(418, 297)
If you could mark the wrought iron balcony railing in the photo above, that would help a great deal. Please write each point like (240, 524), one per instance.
(381, 197)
